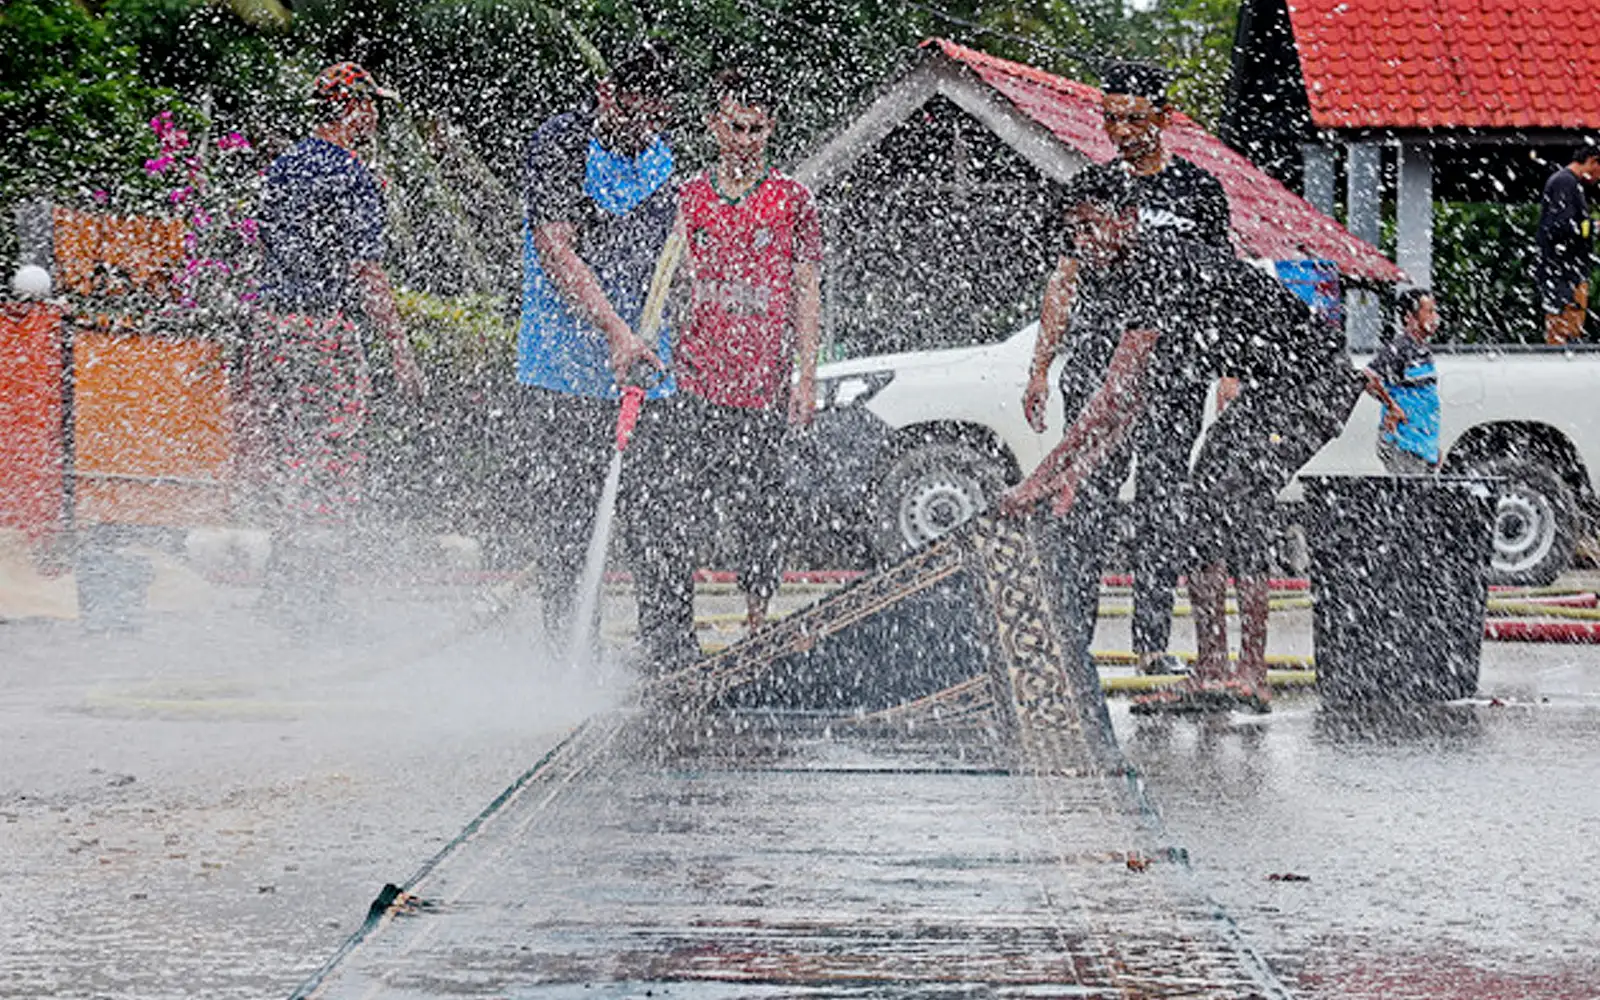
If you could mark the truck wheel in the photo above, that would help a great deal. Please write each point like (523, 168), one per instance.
(929, 491)
(1535, 522)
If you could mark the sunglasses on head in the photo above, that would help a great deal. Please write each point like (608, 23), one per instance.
(747, 128)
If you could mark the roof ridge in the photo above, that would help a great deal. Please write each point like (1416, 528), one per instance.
(963, 53)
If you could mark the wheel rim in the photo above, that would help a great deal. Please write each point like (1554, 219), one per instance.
(937, 504)
(1524, 530)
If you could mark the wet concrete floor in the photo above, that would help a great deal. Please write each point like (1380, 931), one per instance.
(207, 809)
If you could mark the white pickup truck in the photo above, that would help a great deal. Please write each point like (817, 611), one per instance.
(954, 436)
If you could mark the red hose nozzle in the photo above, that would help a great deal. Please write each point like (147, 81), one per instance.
(628, 413)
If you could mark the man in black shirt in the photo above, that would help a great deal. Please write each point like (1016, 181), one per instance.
(1194, 313)
(1566, 243)
(1176, 197)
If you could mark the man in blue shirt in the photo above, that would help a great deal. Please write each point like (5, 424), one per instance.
(598, 207)
(305, 369)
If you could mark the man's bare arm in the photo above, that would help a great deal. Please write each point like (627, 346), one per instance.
(1393, 415)
(1105, 422)
(807, 335)
(377, 302)
(555, 243)
(1054, 316)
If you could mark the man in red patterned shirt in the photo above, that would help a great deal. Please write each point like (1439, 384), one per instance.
(745, 362)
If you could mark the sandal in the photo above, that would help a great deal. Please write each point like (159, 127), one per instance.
(1178, 699)
(1244, 697)
(1192, 700)
(1161, 664)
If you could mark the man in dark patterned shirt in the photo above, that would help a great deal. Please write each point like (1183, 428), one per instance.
(305, 370)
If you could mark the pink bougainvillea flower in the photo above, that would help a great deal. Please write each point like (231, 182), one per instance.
(158, 165)
(162, 124)
(100, 196)
(175, 140)
(233, 140)
(201, 218)
(248, 228)
(181, 195)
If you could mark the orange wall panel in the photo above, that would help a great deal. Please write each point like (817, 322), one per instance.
(150, 408)
(30, 418)
(138, 253)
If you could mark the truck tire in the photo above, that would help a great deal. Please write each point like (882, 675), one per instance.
(928, 491)
(1535, 522)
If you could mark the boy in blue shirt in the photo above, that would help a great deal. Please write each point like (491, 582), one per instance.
(1402, 376)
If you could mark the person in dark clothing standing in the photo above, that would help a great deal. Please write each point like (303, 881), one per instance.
(1566, 247)
(1176, 197)
(304, 371)
(598, 207)
(1190, 311)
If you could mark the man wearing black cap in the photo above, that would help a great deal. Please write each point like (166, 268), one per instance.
(1176, 197)
(598, 207)
(305, 371)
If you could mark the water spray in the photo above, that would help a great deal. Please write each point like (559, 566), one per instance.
(636, 385)
(579, 649)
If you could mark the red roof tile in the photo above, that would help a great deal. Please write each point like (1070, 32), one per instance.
(1477, 63)
(1269, 220)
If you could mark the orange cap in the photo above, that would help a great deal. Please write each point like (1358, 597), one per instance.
(346, 81)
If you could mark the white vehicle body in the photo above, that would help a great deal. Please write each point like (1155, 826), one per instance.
(1531, 416)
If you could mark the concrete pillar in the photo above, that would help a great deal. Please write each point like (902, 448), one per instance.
(1414, 214)
(1317, 163)
(1363, 325)
(35, 233)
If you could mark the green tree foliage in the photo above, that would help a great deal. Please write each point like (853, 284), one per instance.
(1193, 38)
(74, 102)
(495, 68)
(1482, 256)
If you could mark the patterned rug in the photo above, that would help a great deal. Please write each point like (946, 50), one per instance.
(902, 791)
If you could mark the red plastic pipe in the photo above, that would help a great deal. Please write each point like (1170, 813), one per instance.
(1516, 630)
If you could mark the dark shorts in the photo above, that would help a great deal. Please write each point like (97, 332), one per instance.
(1399, 462)
(708, 481)
(1249, 455)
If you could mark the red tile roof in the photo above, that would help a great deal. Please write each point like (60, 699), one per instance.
(1269, 220)
(1450, 63)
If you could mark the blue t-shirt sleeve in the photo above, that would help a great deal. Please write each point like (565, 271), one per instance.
(554, 171)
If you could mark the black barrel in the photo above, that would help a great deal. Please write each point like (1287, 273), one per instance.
(1399, 575)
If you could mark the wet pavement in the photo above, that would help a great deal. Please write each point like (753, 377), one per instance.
(205, 809)
(1450, 852)
(208, 809)
(798, 861)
